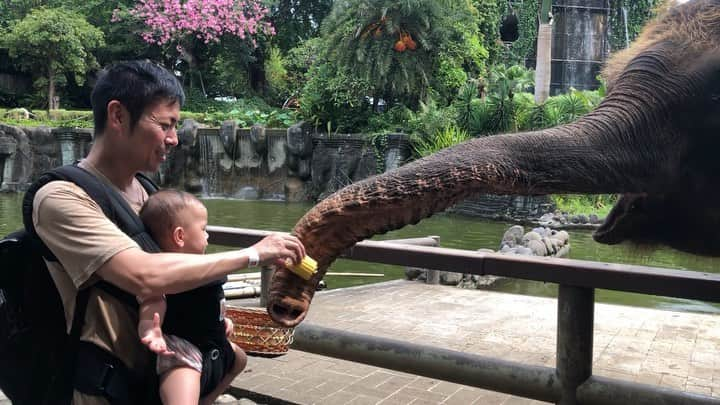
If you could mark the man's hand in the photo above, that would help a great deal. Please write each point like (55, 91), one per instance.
(154, 340)
(275, 248)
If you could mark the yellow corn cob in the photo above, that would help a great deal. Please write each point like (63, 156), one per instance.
(305, 269)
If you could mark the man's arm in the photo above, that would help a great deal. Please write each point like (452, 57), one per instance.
(87, 243)
(150, 274)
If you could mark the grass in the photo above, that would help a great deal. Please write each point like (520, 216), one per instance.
(599, 204)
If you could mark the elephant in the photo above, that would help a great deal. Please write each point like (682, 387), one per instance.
(654, 139)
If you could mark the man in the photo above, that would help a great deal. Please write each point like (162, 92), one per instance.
(136, 107)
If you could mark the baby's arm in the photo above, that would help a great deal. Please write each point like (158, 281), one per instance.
(152, 314)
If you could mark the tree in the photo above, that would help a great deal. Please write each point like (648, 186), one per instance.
(194, 25)
(401, 47)
(297, 20)
(51, 42)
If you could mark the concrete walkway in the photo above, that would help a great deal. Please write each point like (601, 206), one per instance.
(678, 350)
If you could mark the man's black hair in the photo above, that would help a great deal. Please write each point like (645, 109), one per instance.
(135, 84)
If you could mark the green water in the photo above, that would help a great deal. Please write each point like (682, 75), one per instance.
(455, 232)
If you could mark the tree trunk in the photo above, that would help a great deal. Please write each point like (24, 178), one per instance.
(544, 51)
(256, 72)
(51, 88)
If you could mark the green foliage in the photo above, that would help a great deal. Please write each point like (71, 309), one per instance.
(379, 142)
(488, 21)
(444, 138)
(296, 21)
(277, 76)
(49, 42)
(394, 119)
(638, 14)
(599, 204)
(430, 119)
(54, 40)
(500, 110)
(273, 118)
(397, 47)
(334, 96)
(571, 106)
(298, 62)
(525, 47)
(56, 118)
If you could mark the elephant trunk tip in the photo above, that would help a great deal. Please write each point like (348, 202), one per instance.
(286, 314)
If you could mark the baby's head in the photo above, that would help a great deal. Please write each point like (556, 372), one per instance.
(176, 220)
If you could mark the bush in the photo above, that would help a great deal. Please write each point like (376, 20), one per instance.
(599, 204)
(448, 136)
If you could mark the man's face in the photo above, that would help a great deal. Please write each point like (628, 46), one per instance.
(154, 135)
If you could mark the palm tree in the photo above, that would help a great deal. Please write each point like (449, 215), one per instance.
(544, 49)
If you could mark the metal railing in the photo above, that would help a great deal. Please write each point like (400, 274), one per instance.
(570, 382)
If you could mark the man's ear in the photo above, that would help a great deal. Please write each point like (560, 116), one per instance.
(117, 115)
(178, 236)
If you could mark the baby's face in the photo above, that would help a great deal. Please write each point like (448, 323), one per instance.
(194, 223)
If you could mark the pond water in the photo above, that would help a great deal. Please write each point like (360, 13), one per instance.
(455, 231)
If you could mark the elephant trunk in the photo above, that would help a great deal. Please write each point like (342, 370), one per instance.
(588, 156)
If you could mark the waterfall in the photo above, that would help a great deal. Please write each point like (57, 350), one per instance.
(627, 36)
(211, 153)
(580, 43)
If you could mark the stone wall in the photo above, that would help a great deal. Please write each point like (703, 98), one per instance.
(296, 164)
(25, 153)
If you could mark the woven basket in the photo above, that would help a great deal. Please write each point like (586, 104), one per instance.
(256, 333)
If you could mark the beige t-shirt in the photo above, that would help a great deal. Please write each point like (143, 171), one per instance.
(82, 238)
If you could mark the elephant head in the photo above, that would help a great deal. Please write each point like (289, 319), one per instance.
(655, 139)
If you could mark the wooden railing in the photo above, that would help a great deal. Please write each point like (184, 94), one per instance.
(570, 382)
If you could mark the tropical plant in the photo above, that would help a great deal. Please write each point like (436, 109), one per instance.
(397, 47)
(53, 42)
(429, 119)
(573, 105)
(277, 76)
(296, 21)
(444, 138)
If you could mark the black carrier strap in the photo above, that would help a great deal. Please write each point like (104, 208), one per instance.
(97, 372)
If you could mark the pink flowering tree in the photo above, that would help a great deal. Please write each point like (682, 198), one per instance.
(190, 24)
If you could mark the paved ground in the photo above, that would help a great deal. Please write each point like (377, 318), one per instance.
(678, 350)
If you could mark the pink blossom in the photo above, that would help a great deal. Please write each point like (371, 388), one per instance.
(172, 20)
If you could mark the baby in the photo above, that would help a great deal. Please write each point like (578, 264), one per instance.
(196, 361)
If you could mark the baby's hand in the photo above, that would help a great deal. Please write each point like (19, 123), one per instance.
(154, 339)
(228, 327)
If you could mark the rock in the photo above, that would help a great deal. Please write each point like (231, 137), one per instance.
(295, 190)
(299, 139)
(513, 236)
(225, 399)
(258, 138)
(413, 273)
(450, 278)
(562, 236)
(538, 247)
(530, 236)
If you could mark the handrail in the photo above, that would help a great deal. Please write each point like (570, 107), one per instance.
(569, 383)
(581, 273)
